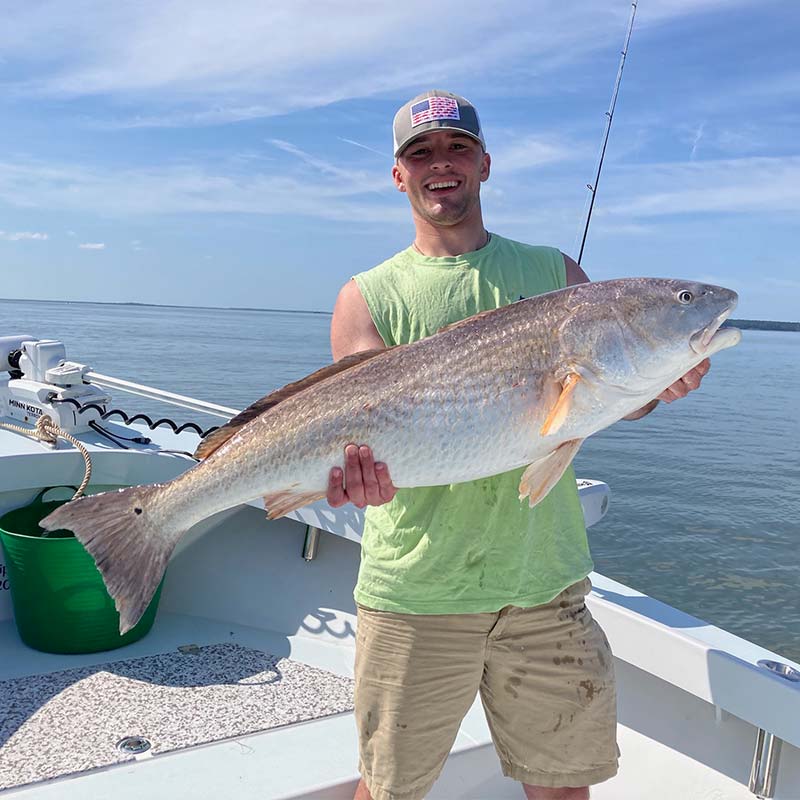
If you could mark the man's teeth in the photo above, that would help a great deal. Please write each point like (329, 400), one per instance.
(443, 185)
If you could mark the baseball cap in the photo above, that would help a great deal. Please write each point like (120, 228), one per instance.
(432, 111)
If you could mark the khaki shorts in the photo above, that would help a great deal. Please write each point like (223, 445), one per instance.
(546, 680)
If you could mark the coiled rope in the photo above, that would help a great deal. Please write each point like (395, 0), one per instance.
(47, 431)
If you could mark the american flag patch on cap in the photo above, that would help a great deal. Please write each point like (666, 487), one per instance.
(432, 108)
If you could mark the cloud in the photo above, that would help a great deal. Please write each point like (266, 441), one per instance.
(92, 246)
(385, 156)
(744, 185)
(698, 135)
(302, 191)
(524, 151)
(23, 236)
(157, 51)
(358, 179)
(783, 283)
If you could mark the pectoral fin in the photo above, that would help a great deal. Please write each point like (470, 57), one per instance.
(541, 476)
(558, 413)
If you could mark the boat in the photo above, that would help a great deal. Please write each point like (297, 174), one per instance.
(243, 686)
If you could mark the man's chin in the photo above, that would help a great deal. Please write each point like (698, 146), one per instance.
(444, 215)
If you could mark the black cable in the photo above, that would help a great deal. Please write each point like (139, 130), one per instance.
(129, 420)
(136, 439)
(103, 432)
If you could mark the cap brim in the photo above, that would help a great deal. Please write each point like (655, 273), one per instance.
(419, 134)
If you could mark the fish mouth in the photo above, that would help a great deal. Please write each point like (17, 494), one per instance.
(714, 338)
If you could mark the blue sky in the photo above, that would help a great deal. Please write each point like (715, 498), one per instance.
(239, 153)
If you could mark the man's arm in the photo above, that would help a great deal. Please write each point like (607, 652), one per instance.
(352, 328)
(363, 482)
(689, 382)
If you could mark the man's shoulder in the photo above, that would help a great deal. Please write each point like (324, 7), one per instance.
(540, 250)
(398, 259)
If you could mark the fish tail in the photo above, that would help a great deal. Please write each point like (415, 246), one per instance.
(129, 542)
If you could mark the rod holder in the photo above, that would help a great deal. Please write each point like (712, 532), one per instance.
(768, 747)
(765, 764)
(311, 543)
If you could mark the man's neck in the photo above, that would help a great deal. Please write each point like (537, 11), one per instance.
(436, 241)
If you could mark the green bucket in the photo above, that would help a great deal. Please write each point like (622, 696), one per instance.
(61, 604)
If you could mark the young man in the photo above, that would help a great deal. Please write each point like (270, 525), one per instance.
(463, 588)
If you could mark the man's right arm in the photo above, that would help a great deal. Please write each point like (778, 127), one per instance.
(363, 482)
(352, 328)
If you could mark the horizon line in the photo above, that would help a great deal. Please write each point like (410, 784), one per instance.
(273, 310)
(165, 305)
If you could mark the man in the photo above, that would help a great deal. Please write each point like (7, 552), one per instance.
(463, 588)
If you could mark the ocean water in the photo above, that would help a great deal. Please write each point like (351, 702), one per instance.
(705, 503)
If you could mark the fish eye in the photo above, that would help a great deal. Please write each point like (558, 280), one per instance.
(685, 297)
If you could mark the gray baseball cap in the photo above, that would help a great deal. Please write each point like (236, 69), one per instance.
(432, 111)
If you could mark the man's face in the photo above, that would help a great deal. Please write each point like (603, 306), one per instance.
(442, 172)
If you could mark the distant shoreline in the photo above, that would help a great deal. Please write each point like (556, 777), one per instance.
(163, 305)
(745, 324)
(761, 325)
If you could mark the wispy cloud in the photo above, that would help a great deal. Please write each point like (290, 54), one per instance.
(525, 151)
(92, 246)
(157, 51)
(698, 135)
(784, 283)
(745, 185)
(358, 180)
(23, 236)
(313, 191)
(384, 155)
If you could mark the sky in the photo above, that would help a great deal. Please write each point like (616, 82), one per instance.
(239, 153)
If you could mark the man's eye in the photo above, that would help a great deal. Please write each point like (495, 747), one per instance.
(423, 151)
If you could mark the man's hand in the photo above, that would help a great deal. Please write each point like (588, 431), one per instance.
(688, 383)
(363, 483)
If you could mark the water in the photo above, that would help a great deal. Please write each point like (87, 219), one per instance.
(705, 511)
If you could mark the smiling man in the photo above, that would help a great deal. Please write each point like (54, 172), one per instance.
(462, 588)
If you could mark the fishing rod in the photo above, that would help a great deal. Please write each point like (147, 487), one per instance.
(610, 114)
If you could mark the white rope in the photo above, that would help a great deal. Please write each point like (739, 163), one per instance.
(47, 431)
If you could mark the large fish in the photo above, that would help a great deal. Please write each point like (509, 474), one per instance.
(520, 385)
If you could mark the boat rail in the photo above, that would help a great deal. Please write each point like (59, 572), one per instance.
(152, 393)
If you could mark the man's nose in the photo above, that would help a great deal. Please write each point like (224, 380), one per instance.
(441, 160)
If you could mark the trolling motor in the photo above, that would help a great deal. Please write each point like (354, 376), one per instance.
(39, 376)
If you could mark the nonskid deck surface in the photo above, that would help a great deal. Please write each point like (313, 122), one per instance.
(70, 721)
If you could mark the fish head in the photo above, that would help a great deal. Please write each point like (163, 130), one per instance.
(642, 334)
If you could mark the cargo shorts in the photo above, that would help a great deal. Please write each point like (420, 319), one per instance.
(546, 680)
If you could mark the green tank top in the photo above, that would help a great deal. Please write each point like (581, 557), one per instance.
(468, 547)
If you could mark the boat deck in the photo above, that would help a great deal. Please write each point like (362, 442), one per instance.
(189, 696)
(266, 753)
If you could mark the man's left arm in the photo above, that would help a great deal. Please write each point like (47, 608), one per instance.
(689, 382)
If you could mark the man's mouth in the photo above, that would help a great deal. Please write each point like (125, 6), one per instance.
(442, 187)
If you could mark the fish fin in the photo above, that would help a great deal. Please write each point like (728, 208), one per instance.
(558, 413)
(468, 320)
(280, 503)
(218, 437)
(542, 475)
(130, 547)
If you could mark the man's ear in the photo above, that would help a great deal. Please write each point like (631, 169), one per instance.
(486, 167)
(398, 179)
